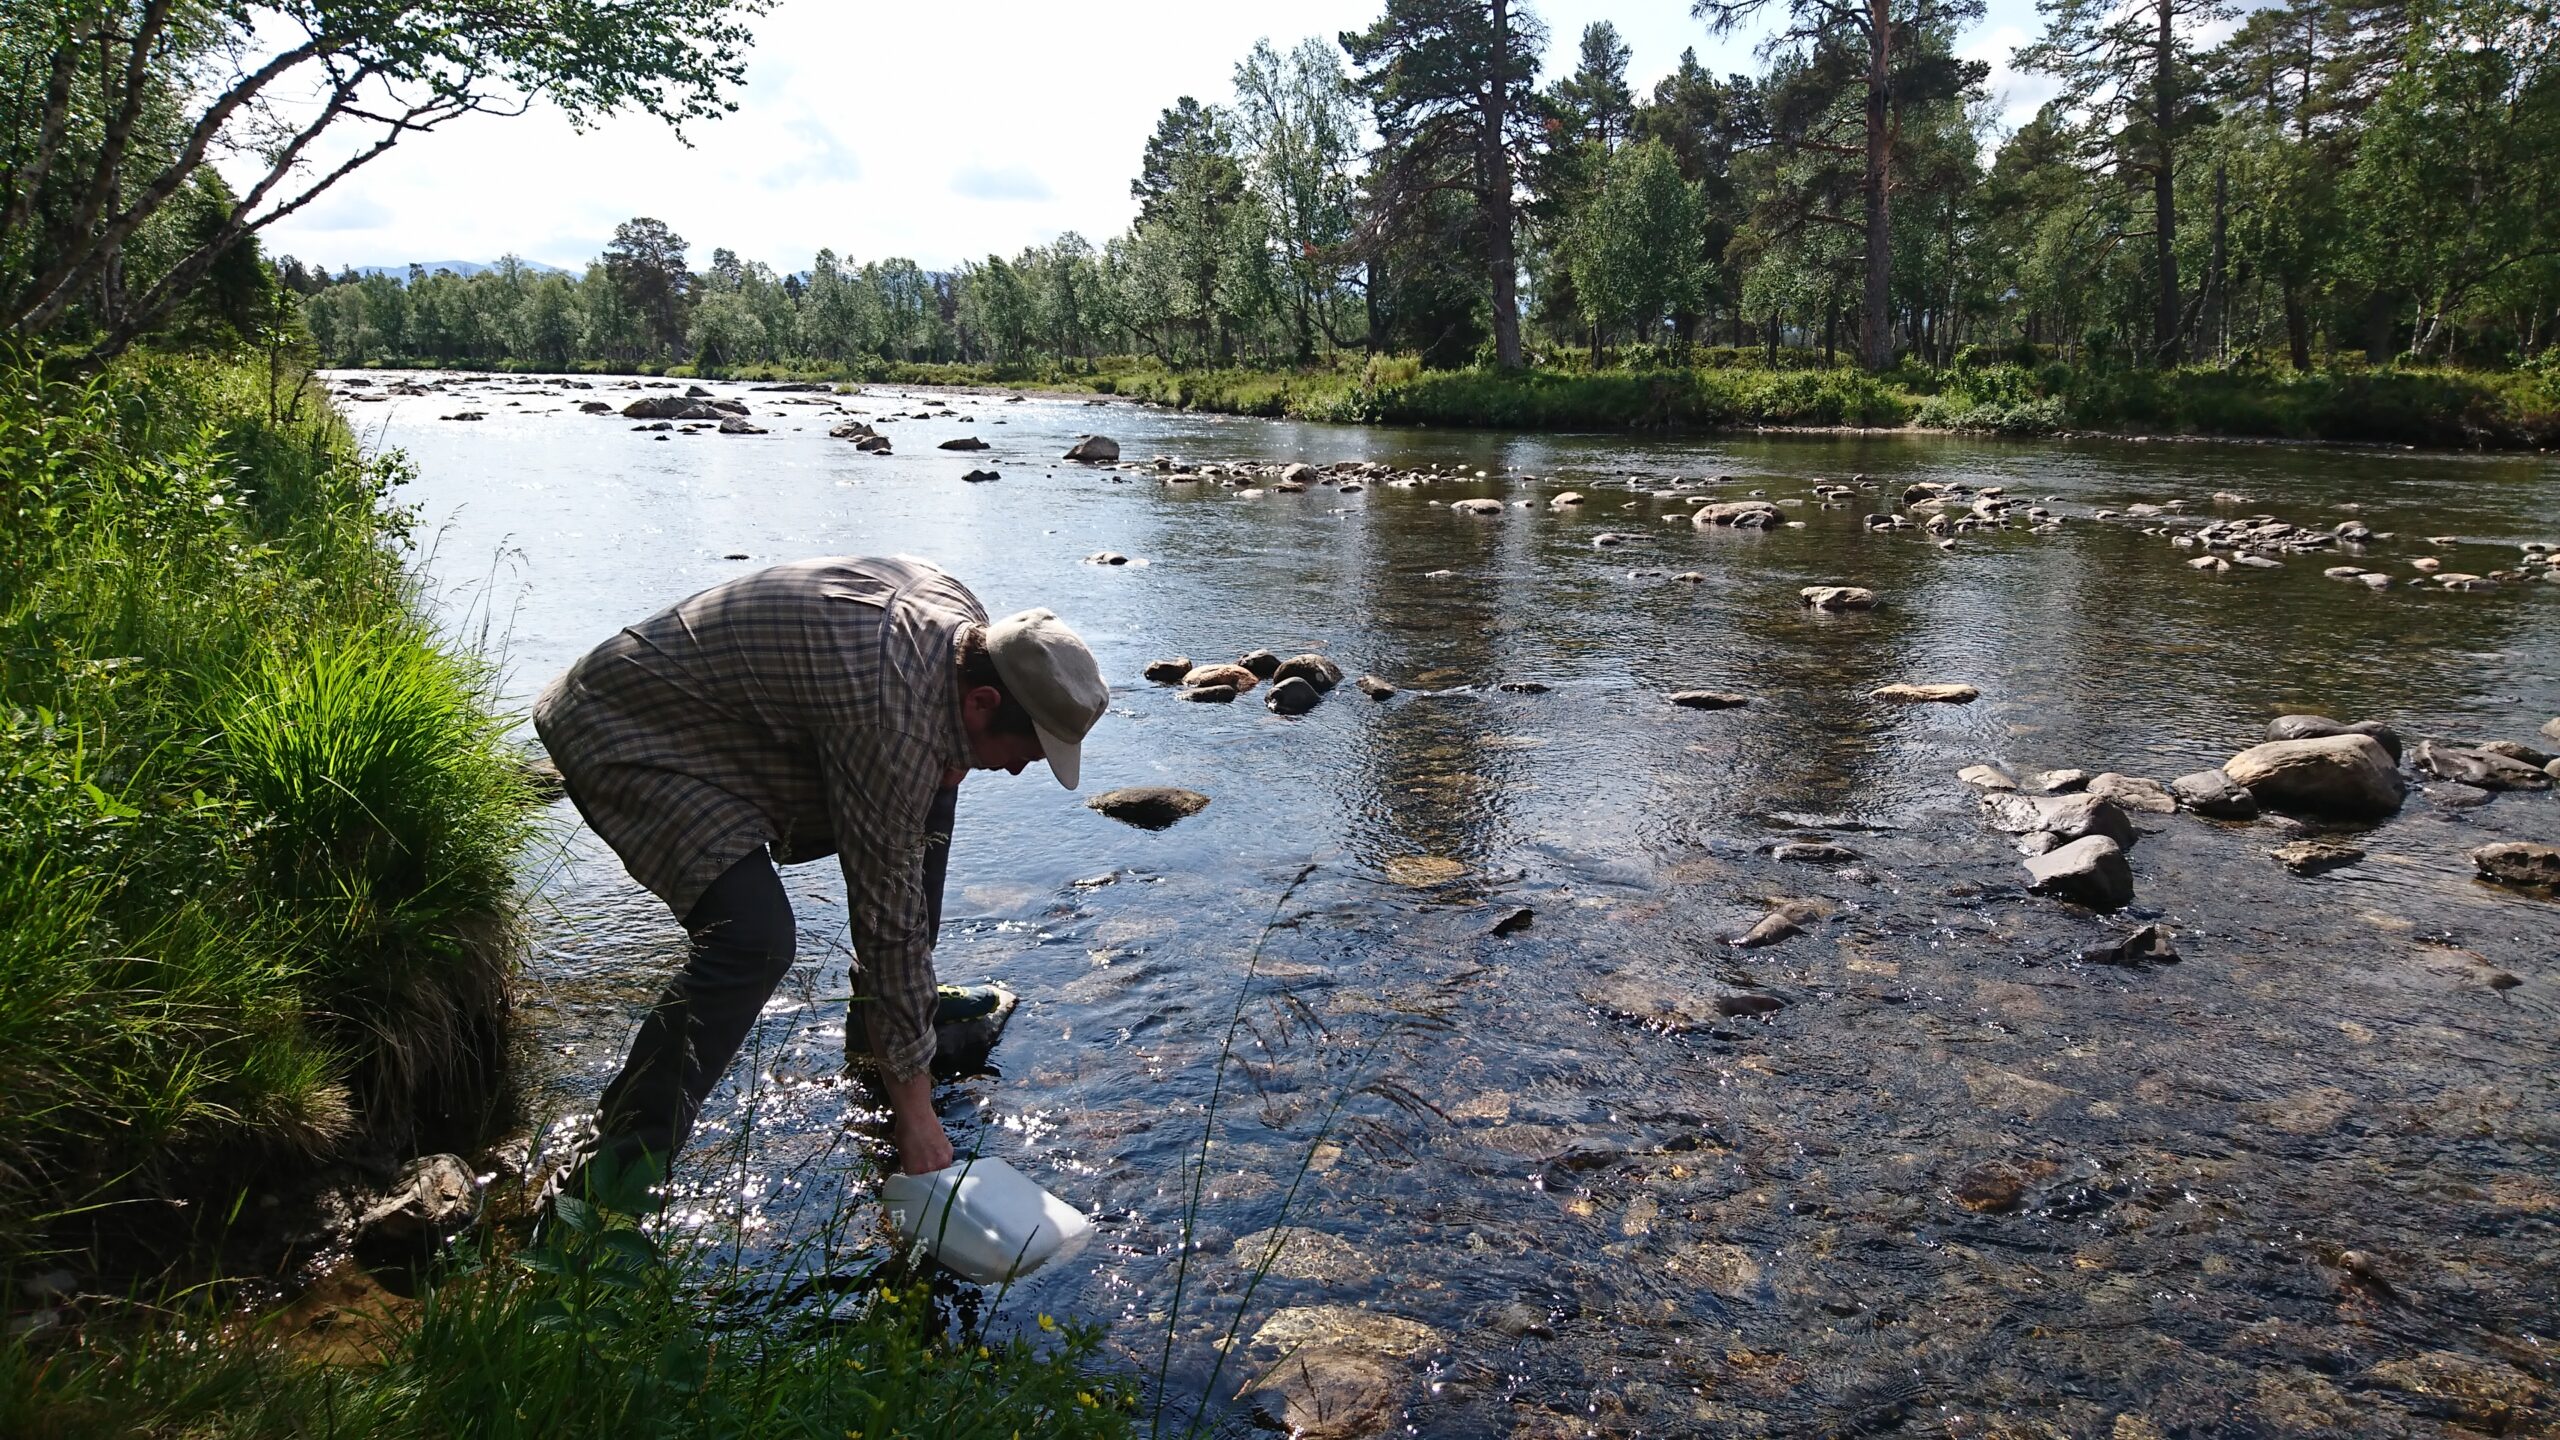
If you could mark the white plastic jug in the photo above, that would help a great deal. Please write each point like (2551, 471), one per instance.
(984, 1219)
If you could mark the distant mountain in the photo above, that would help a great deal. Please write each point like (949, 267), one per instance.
(459, 267)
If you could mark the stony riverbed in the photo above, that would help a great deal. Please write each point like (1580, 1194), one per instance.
(1526, 1141)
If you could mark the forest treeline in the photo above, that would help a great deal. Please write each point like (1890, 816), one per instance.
(2303, 183)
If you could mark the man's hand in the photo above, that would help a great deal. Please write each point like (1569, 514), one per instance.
(923, 1147)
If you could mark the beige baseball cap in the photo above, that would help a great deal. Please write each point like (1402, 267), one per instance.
(1050, 673)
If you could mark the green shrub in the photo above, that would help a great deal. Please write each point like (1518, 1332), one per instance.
(255, 869)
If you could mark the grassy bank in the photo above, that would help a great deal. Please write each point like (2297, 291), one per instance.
(258, 835)
(1728, 390)
(257, 846)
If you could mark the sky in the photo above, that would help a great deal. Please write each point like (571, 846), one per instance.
(931, 133)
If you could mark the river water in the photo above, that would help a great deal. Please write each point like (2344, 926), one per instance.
(2305, 1181)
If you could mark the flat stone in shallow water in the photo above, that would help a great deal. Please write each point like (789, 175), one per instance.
(2519, 862)
(2128, 792)
(2314, 857)
(1149, 807)
(2212, 793)
(1926, 694)
(1708, 699)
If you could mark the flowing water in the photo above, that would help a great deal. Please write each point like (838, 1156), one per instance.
(2307, 1180)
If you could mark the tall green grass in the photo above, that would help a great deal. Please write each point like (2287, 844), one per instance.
(256, 818)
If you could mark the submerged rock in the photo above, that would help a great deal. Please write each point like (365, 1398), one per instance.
(1708, 699)
(2347, 774)
(1814, 852)
(1926, 694)
(1475, 507)
(1986, 777)
(1343, 1370)
(2314, 857)
(2150, 945)
(1375, 688)
(1149, 807)
(1837, 597)
(2091, 871)
(1652, 999)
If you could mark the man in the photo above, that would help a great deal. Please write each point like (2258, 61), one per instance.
(824, 706)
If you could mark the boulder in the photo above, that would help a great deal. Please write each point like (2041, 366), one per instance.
(2149, 945)
(1759, 514)
(2091, 871)
(653, 407)
(2551, 729)
(851, 430)
(1261, 662)
(2212, 793)
(1475, 507)
(735, 426)
(1111, 557)
(2316, 727)
(2479, 769)
(980, 477)
(1343, 1372)
(594, 407)
(1292, 695)
(2327, 775)
(1149, 807)
(1708, 699)
(1301, 475)
(2130, 792)
(1375, 688)
(2065, 817)
(1316, 670)
(965, 442)
(1837, 597)
(1168, 672)
(2313, 857)
(433, 1197)
(1210, 694)
(2061, 782)
(2519, 862)
(1100, 449)
(1986, 777)
(1231, 675)
(1926, 694)
(1566, 500)
(872, 444)
(2514, 751)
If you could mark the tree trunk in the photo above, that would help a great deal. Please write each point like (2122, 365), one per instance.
(1376, 340)
(1496, 169)
(2164, 193)
(2297, 330)
(2217, 311)
(1876, 329)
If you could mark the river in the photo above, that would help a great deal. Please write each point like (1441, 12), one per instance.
(2306, 1180)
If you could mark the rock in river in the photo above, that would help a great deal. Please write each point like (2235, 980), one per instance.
(1375, 688)
(1292, 696)
(965, 442)
(1096, 448)
(1236, 676)
(2518, 862)
(1926, 694)
(2091, 871)
(2479, 769)
(2316, 727)
(1315, 669)
(2064, 817)
(1708, 699)
(1815, 852)
(1986, 777)
(1475, 507)
(1652, 999)
(2315, 857)
(1343, 1371)
(2330, 774)
(2210, 792)
(1149, 807)
(1260, 662)
(1169, 672)
(1837, 597)
(1747, 514)
(433, 1197)
(1210, 694)
(2130, 792)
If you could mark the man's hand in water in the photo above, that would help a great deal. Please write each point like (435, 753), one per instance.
(922, 1146)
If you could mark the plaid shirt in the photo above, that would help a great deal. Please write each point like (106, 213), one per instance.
(810, 708)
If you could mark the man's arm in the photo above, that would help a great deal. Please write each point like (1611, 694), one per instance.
(883, 784)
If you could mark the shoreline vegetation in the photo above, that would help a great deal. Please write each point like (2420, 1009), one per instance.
(2432, 408)
(259, 927)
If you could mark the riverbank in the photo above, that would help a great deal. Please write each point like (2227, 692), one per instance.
(2430, 408)
(259, 923)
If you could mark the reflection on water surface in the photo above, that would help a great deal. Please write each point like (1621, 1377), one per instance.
(2301, 1182)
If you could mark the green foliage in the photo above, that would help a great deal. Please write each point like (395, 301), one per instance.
(597, 1331)
(255, 877)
